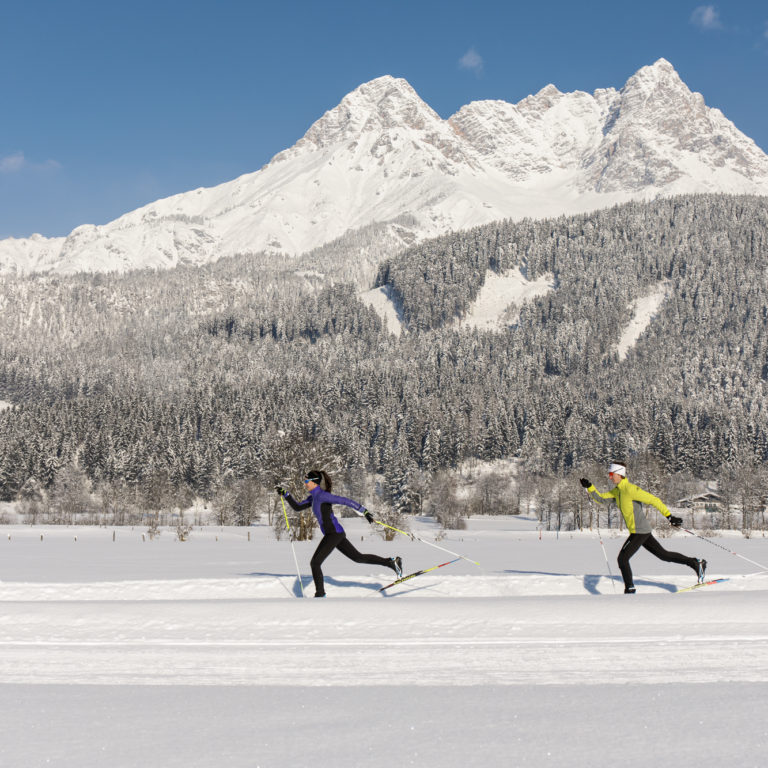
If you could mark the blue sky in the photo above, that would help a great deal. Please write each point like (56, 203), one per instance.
(108, 105)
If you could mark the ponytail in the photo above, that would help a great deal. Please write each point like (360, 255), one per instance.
(321, 478)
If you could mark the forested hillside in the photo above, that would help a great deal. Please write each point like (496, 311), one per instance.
(199, 379)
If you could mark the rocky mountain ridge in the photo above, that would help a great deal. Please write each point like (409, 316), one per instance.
(383, 153)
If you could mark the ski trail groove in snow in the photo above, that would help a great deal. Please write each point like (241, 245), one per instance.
(430, 641)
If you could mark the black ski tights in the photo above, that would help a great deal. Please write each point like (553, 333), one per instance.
(339, 541)
(647, 541)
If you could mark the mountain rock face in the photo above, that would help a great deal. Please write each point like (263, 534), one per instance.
(382, 153)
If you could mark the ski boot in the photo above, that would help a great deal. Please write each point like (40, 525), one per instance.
(397, 566)
(701, 570)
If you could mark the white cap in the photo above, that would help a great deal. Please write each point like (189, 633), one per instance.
(617, 469)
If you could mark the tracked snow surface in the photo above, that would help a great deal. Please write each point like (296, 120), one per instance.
(131, 652)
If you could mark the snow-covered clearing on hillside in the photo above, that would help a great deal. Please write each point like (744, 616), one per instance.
(493, 308)
(163, 653)
(641, 313)
(379, 300)
(501, 294)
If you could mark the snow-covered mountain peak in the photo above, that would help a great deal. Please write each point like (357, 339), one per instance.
(383, 153)
(659, 135)
(389, 101)
(545, 132)
(545, 99)
(658, 89)
(381, 104)
(661, 69)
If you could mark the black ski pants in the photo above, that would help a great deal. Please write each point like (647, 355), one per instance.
(649, 542)
(339, 541)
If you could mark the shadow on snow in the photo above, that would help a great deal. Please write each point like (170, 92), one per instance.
(593, 580)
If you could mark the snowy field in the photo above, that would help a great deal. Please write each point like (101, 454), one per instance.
(131, 652)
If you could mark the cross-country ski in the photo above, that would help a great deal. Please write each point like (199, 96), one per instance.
(702, 584)
(417, 573)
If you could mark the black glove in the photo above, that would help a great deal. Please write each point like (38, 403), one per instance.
(676, 521)
(368, 516)
(281, 490)
(584, 482)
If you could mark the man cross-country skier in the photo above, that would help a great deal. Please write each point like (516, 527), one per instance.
(320, 499)
(630, 499)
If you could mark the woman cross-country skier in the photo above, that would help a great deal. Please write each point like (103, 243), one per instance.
(320, 499)
(630, 499)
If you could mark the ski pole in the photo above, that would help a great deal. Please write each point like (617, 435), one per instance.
(729, 551)
(293, 549)
(605, 555)
(429, 543)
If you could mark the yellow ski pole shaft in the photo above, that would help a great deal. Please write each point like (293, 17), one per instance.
(285, 514)
(293, 549)
(429, 543)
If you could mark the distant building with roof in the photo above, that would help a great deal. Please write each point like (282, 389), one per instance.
(707, 501)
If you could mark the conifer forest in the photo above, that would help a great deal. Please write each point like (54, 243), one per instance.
(148, 389)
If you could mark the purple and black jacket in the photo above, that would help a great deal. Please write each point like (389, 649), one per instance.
(321, 502)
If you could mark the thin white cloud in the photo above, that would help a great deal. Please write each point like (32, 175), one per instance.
(12, 163)
(472, 61)
(706, 17)
(17, 162)
(765, 32)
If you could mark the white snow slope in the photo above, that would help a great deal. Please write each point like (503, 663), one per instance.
(642, 311)
(383, 152)
(381, 302)
(501, 296)
(162, 653)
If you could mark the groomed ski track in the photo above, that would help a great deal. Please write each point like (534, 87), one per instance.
(115, 609)
(65, 637)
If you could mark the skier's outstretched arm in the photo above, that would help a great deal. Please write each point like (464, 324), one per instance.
(295, 505)
(594, 493)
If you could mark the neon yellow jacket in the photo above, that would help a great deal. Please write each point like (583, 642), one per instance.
(630, 499)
